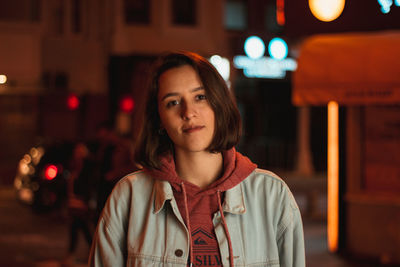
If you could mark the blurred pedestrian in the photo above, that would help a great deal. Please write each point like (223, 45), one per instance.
(113, 155)
(197, 202)
(79, 194)
(122, 161)
(103, 148)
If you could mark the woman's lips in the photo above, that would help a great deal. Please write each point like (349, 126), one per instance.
(192, 129)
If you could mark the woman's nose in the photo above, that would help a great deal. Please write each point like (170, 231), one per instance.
(188, 111)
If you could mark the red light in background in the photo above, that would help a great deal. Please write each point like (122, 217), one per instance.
(280, 12)
(51, 172)
(127, 104)
(72, 102)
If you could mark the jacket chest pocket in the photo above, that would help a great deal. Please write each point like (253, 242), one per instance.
(140, 260)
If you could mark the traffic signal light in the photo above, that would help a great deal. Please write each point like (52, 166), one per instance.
(127, 104)
(72, 102)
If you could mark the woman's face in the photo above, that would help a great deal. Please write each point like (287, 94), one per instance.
(184, 110)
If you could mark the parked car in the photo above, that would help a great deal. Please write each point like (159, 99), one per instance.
(42, 175)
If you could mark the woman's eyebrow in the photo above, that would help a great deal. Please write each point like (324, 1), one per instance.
(176, 94)
(197, 89)
(169, 95)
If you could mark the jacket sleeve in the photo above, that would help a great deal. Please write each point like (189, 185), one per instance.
(109, 241)
(291, 240)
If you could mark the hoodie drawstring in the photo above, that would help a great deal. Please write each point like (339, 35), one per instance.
(226, 229)
(190, 231)
(188, 223)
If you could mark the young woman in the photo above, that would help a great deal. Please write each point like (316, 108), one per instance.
(197, 202)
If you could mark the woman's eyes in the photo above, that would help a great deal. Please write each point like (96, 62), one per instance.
(201, 97)
(175, 102)
(172, 103)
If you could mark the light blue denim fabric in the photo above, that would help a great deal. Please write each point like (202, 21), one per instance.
(141, 225)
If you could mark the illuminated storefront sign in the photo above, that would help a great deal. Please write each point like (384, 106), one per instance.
(255, 65)
(264, 67)
(386, 4)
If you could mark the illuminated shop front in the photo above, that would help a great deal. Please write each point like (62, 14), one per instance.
(358, 77)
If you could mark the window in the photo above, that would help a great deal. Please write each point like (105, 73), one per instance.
(20, 10)
(76, 13)
(66, 17)
(235, 15)
(58, 17)
(137, 11)
(184, 12)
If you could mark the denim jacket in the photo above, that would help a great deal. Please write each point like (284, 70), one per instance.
(141, 225)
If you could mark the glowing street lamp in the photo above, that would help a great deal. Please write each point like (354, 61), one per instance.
(326, 10)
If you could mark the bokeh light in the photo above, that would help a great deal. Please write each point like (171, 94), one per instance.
(277, 48)
(3, 79)
(51, 172)
(222, 65)
(72, 102)
(254, 47)
(127, 104)
(326, 10)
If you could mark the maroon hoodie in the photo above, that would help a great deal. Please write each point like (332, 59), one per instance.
(198, 206)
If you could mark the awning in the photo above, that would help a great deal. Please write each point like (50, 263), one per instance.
(350, 68)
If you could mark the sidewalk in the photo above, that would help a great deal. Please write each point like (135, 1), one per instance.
(34, 240)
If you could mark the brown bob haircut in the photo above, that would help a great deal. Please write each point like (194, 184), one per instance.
(151, 142)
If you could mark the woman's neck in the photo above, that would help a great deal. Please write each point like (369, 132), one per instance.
(199, 168)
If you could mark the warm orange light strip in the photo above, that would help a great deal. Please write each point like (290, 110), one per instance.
(280, 12)
(333, 175)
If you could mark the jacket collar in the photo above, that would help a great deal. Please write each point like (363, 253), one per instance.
(162, 193)
(234, 198)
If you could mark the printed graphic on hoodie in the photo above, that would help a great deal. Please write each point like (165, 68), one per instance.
(205, 248)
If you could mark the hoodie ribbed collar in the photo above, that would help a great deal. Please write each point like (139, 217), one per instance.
(236, 168)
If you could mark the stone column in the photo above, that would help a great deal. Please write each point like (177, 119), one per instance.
(304, 164)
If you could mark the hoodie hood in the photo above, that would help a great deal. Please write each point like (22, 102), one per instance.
(236, 168)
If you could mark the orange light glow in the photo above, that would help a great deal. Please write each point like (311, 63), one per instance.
(333, 175)
(3, 79)
(326, 10)
(280, 12)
